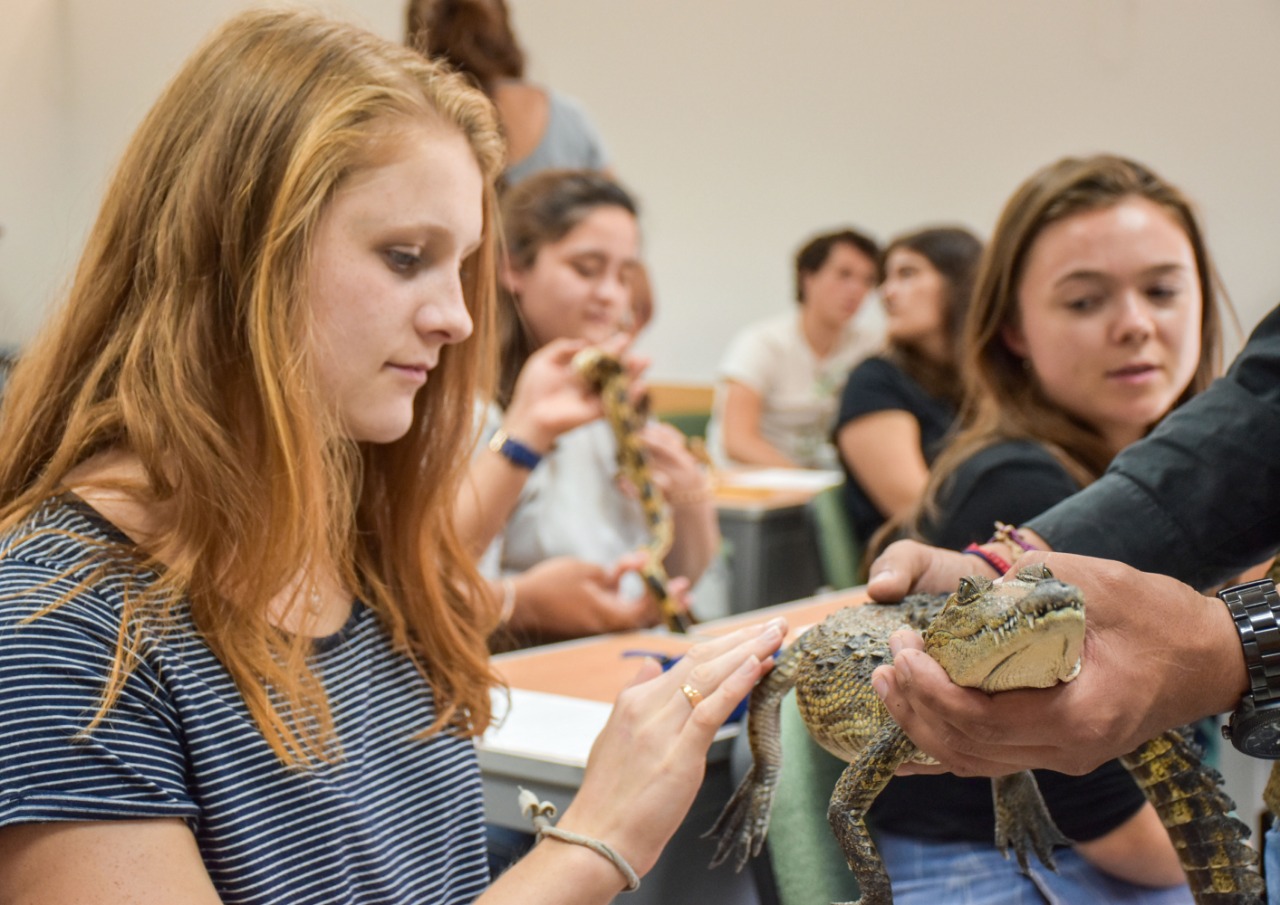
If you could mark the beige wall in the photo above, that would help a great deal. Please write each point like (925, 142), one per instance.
(743, 125)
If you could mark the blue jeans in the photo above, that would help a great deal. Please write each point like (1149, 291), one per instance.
(926, 872)
(1271, 863)
(505, 847)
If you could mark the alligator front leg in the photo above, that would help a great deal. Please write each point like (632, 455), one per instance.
(1023, 820)
(858, 787)
(1211, 844)
(744, 822)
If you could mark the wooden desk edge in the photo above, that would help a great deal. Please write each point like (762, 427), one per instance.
(800, 614)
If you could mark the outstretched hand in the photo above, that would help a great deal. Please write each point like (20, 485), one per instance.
(647, 765)
(1157, 654)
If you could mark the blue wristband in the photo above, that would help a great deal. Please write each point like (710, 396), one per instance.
(514, 451)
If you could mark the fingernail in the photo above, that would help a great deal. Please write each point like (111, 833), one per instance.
(750, 666)
(778, 624)
(880, 684)
(903, 665)
(895, 643)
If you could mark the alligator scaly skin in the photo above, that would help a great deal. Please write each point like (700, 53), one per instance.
(1221, 867)
(830, 668)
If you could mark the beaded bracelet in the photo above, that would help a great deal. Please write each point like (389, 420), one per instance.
(993, 560)
(1008, 534)
(541, 812)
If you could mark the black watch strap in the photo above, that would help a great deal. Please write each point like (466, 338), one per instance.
(1254, 607)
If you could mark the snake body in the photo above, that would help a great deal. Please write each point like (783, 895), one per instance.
(605, 374)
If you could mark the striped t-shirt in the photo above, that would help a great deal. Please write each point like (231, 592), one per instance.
(397, 819)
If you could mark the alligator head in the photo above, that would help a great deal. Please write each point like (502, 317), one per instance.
(1019, 633)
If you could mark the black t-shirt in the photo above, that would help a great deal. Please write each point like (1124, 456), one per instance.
(1011, 482)
(878, 385)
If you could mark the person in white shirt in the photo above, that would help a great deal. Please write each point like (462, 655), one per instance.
(780, 380)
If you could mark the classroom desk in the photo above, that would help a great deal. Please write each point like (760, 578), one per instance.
(561, 695)
(772, 551)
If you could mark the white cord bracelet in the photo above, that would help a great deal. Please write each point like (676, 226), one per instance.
(541, 812)
(508, 600)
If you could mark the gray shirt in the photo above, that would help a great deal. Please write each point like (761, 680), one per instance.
(569, 141)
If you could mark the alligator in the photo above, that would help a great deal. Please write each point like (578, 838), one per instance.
(1021, 632)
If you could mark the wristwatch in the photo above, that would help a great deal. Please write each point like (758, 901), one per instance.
(1254, 728)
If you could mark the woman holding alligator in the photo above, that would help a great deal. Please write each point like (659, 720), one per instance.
(1095, 314)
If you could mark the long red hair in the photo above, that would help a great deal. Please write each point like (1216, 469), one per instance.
(185, 341)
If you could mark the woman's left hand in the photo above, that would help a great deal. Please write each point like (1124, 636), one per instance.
(647, 764)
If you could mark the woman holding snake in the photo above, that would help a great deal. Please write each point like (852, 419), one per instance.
(547, 488)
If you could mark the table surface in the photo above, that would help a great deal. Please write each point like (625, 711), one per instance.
(593, 669)
(753, 489)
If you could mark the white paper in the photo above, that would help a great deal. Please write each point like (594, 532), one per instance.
(783, 479)
(546, 727)
(551, 728)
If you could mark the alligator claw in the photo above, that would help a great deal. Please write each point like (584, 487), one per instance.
(1023, 821)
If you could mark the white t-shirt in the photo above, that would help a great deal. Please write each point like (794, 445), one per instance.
(569, 506)
(799, 392)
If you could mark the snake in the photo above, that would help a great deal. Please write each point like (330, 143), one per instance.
(605, 374)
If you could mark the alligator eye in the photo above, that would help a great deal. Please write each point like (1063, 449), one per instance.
(1035, 572)
(968, 591)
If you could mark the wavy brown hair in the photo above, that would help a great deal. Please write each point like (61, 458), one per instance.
(185, 340)
(1002, 400)
(954, 252)
(473, 36)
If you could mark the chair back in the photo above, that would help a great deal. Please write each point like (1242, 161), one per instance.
(838, 548)
(685, 406)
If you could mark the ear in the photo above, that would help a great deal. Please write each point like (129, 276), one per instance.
(512, 279)
(805, 280)
(1014, 340)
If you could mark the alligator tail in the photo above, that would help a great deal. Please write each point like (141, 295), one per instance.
(1212, 845)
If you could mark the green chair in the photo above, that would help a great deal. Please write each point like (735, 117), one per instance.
(838, 549)
(691, 424)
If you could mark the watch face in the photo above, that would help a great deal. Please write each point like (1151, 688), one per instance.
(1258, 734)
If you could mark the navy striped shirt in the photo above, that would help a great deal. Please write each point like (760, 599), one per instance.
(396, 819)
